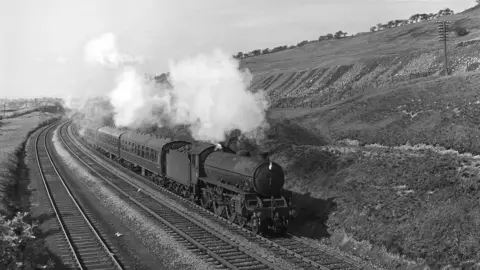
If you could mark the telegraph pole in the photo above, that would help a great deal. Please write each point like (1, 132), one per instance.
(443, 30)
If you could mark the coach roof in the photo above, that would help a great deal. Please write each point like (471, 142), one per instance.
(136, 137)
(111, 131)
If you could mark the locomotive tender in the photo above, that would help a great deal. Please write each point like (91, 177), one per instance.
(243, 189)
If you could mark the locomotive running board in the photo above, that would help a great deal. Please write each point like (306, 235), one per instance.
(235, 189)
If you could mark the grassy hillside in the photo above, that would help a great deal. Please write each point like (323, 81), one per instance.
(441, 111)
(388, 205)
(323, 72)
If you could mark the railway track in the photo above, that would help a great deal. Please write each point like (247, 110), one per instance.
(82, 246)
(299, 251)
(201, 240)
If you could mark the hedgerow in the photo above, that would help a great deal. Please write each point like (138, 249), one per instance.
(19, 247)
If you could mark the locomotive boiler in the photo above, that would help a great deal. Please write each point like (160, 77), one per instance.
(247, 190)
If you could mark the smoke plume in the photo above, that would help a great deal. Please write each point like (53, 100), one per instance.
(103, 50)
(208, 92)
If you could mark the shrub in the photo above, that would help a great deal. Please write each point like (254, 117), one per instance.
(14, 235)
(461, 31)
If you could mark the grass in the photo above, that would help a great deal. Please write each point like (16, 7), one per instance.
(419, 206)
(398, 208)
(442, 111)
(19, 246)
(321, 73)
(404, 39)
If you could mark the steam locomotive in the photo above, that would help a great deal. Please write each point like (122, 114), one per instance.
(247, 190)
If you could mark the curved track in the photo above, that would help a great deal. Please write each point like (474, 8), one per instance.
(299, 251)
(200, 239)
(82, 246)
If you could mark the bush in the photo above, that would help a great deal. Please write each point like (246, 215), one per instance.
(461, 31)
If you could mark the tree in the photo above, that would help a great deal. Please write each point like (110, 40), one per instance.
(265, 51)
(338, 34)
(444, 12)
(390, 24)
(373, 29)
(329, 36)
(415, 17)
(302, 43)
(239, 55)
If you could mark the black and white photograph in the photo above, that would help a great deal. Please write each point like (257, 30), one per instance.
(226, 134)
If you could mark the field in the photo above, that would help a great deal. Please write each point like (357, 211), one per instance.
(323, 72)
(14, 130)
(362, 126)
(17, 232)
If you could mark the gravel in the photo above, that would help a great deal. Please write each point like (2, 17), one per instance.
(235, 237)
(160, 242)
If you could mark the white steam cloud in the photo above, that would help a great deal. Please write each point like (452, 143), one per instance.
(103, 50)
(209, 93)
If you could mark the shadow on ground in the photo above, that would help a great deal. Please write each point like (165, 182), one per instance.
(312, 216)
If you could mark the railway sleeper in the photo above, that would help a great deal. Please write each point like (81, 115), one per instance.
(235, 256)
(221, 250)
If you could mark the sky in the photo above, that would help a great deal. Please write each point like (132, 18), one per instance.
(42, 42)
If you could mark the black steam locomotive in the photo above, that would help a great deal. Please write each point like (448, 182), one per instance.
(247, 190)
